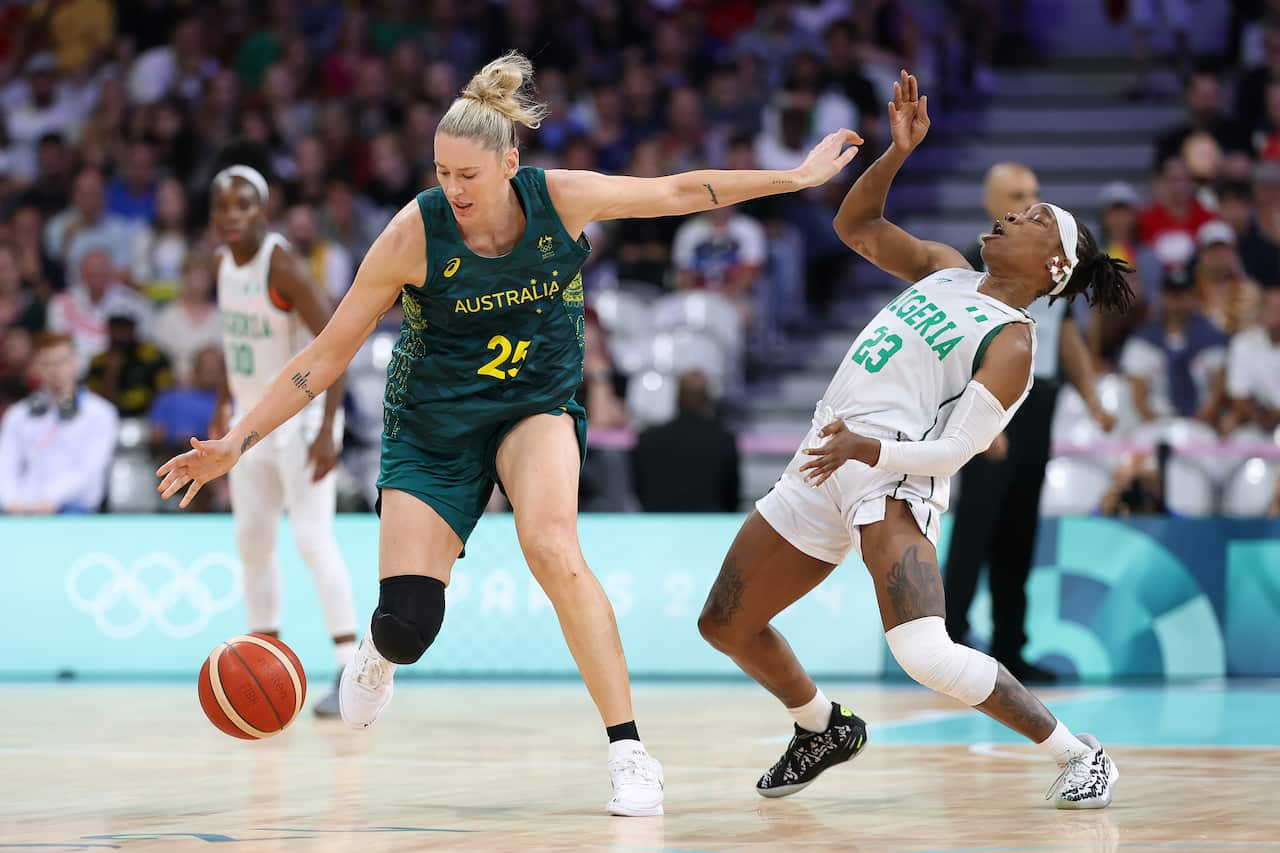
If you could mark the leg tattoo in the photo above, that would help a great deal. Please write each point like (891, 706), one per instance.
(725, 598)
(915, 587)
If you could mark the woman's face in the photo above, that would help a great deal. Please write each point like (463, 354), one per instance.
(474, 177)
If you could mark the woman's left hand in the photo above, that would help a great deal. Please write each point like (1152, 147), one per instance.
(827, 158)
(842, 447)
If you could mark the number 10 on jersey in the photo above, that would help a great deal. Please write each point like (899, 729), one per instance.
(892, 343)
(507, 355)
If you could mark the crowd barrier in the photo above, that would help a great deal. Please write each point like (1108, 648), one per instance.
(151, 595)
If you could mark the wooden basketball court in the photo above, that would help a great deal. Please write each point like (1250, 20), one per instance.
(494, 767)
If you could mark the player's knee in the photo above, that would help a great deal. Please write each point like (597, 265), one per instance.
(718, 632)
(408, 618)
(552, 552)
(925, 652)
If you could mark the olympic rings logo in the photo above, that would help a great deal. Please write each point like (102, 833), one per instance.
(124, 600)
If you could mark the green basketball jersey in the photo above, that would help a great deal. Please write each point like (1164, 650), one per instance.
(486, 340)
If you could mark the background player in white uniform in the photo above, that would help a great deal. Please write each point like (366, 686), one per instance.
(270, 312)
(926, 385)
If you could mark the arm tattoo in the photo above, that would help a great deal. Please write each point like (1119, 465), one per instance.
(249, 441)
(714, 200)
(782, 181)
(300, 382)
(915, 587)
(725, 598)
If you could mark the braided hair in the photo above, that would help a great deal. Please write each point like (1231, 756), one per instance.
(1101, 278)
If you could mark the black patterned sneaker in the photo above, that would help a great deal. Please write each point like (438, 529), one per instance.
(810, 753)
(1087, 780)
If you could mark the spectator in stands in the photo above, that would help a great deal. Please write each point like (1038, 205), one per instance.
(160, 249)
(1206, 111)
(187, 410)
(1177, 362)
(129, 372)
(191, 322)
(722, 251)
(41, 275)
(1235, 207)
(56, 445)
(348, 219)
(87, 226)
(1260, 248)
(643, 246)
(1228, 297)
(82, 310)
(691, 463)
(44, 107)
(328, 263)
(1251, 88)
(15, 363)
(51, 188)
(1253, 372)
(18, 305)
(1169, 224)
(132, 194)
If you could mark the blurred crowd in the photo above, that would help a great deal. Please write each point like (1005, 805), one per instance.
(114, 112)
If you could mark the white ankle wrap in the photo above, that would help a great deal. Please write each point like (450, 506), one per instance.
(923, 649)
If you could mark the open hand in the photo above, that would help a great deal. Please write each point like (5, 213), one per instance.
(908, 114)
(842, 447)
(828, 157)
(205, 461)
(323, 453)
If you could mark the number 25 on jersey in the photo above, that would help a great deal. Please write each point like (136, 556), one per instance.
(507, 355)
(892, 343)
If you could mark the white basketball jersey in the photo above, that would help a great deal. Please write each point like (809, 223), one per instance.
(258, 338)
(908, 367)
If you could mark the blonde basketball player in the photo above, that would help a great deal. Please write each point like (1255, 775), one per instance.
(270, 311)
(930, 382)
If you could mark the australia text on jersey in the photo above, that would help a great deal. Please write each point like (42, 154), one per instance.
(533, 292)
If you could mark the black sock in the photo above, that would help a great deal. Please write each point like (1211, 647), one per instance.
(622, 731)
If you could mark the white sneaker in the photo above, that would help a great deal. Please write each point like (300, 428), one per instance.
(1087, 780)
(637, 781)
(365, 687)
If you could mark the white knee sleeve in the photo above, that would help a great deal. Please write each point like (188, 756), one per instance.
(923, 649)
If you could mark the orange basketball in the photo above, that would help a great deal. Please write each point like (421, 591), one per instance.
(252, 686)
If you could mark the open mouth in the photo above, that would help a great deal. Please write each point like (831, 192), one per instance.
(461, 206)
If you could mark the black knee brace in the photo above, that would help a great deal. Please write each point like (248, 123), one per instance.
(407, 619)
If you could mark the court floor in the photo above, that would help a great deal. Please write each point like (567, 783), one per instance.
(495, 767)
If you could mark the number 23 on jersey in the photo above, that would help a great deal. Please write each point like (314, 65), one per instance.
(892, 343)
(506, 364)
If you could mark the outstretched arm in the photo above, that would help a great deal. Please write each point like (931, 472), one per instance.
(581, 197)
(978, 417)
(860, 222)
(396, 257)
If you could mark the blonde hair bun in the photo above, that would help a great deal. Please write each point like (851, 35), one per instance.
(496, 99)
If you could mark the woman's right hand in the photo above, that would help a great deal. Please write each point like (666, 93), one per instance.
(205, 461)
(908, 114)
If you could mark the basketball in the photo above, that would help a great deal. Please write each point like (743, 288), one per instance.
(252, 686)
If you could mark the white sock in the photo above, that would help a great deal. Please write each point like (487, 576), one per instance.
(344, 653)
(1062, 745)
(619, 748)
(814, 715)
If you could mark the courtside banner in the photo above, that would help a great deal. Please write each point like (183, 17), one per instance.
(151, 595)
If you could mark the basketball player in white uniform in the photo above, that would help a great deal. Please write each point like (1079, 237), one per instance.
(270, 311)
(930, 382)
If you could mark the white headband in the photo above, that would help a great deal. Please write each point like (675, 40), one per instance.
(1069, 233)
(248, 173)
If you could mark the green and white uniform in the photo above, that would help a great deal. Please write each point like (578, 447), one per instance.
(899, 380)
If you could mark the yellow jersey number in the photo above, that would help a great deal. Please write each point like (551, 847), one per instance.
(508, 354)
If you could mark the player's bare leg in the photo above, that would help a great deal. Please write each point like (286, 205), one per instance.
(904, 568)
(762, 575)
(538, 464)
(416, 553)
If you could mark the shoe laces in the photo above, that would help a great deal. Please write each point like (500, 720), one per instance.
(1078, 770)
(371, 670)
(638, 768)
